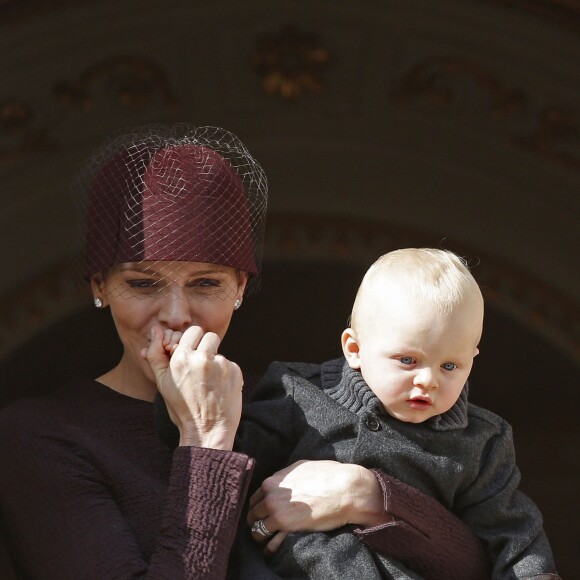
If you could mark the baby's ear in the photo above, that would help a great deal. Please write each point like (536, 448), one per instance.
(350, 348)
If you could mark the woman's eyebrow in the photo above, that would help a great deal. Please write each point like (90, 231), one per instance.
(206, 272)
(140, 269)
(217, 269)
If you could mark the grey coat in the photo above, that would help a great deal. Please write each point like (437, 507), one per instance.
(464, 458)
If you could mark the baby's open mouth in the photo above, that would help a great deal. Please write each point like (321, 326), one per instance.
(419, 403)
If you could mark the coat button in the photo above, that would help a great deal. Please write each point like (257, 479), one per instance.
(372, 423)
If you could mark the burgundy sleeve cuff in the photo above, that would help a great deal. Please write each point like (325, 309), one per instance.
(206, 494)
(424, 535)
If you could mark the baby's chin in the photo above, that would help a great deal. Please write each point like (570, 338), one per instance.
(413, 417)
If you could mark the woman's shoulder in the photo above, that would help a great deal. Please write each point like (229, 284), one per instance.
(44, 414)
(83, 418)
(23, 423)
(31, 410)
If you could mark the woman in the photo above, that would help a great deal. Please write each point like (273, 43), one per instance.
(174, 239)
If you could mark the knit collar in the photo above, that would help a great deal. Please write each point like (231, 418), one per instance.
(348, 388)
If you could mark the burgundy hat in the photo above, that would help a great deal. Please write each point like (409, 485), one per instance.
(162, 195)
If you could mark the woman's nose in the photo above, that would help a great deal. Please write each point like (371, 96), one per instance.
(426, 378)
(175, 312)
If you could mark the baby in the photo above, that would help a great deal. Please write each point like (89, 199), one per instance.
(398, 401)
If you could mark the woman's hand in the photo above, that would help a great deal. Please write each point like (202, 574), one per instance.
(201, 388)
(316, 496)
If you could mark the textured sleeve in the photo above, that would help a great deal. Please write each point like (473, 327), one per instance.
(425, 536)
(206, 494)
(64, 521)
(507, 521)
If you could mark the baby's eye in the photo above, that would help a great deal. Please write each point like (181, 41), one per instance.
(448, 366)
(407, 360)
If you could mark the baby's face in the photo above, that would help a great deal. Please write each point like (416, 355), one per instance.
(415, 359)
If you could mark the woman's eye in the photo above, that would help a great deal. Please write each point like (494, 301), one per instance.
(204, 283)
(144, 283)
(449, 366)
(407, 360)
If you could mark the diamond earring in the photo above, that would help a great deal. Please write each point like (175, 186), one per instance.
(98, 303)
(237, 303)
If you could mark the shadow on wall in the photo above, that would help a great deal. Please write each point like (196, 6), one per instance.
(299, 315)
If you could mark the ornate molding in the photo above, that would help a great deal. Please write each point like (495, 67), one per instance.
(557, 128)
(290, 63)
(440, 82)
(564, 13)
(133, 80)
(48, 298)
(443, 82)
(16, 125)
(54, 295)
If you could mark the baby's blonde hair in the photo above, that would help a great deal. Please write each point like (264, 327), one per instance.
(438, 277)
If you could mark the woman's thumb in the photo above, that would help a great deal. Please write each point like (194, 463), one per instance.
(156, 355)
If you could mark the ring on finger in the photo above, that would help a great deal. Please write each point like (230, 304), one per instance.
(259, 527)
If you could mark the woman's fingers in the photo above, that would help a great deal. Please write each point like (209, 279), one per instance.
(263, 529)
(256, 498)
(273, 545)
(171, 339)
(156, 355)
(271, 539)
(194, 338)
(209, 343)
(191, 338)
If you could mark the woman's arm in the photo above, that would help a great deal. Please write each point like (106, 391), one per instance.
(399, 521)
(206, 495)
(424, 535)
(67, 518)
(82, 498)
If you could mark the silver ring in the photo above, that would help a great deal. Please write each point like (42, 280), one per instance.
(260, 528)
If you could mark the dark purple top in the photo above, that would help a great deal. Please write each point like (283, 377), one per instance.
(89, 490)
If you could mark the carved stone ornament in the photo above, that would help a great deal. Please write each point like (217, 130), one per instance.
(133, 80)
(446, 82)
(16, 119)
(290, 63)
(556, 136)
